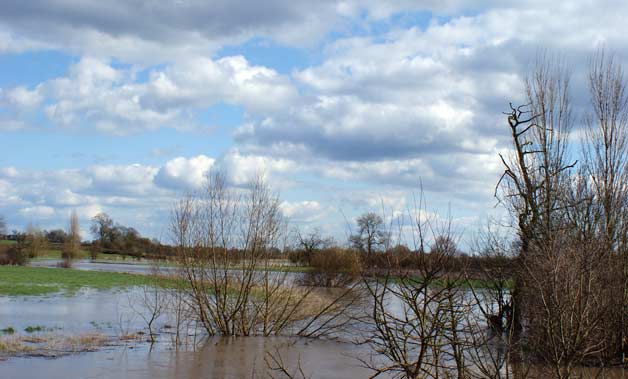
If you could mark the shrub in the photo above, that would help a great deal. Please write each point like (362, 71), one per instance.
(13, 255)
(333, 267)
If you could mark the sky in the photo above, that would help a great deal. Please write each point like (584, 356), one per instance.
(345, 106)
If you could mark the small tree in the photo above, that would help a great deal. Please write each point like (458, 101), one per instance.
(34, 242)
(72, 245)
(311, 242)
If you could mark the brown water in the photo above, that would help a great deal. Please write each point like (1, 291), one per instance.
(109, 313)
(217, 358)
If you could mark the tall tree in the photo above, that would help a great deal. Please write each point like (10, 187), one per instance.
(72, 245)
(101, 227)
(606, 167)
(371, 235)
(3, 225)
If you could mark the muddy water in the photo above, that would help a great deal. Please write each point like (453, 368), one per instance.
(114, 313)
(110, 313)
(217, 358)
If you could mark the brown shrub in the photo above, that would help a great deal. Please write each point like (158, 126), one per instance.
(13, 255)
(333, 267)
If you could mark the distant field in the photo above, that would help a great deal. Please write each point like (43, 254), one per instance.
(6, 242)
(83, 254)
(24, 281)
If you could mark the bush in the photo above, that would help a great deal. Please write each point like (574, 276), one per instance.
(333, 267)
(13, 255)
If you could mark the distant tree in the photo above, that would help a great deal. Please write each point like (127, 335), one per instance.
(371, 236)
(311, 242)
(444, 244)
(56, 236)
(72, 245)
(3, 226)
(101, 228)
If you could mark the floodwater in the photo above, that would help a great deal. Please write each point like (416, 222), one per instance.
(89, 310)
(241, 357)
(115, 313)
(131, 268)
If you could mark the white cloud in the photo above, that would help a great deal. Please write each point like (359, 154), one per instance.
(243, 168)
(184, 173)
(21, 98)
(304, 211)
(40, 211)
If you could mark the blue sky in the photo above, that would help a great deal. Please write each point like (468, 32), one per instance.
(346, 106)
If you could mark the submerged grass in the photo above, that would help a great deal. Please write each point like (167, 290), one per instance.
(25, 281)
(49, 345)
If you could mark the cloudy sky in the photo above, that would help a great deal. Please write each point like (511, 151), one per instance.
(122, 106)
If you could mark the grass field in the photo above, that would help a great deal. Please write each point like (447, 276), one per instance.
(25, 281)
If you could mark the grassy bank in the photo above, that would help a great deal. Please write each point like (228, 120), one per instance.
(26, 281)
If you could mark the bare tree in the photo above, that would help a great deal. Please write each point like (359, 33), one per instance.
(569, 221)
(72, 244)
(416, 319)
(101, 227)
(606, 168)
(311, 242)
(151, 302)
(34, 242)
(224, 240)
(371, 235)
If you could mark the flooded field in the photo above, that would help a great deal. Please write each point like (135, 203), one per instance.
(116, 316)
(114, 313)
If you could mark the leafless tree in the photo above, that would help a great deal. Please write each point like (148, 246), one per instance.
(606, 169)
(311, 242)
(569, 220)
(72, 244)
(34, 242)
(101, 226)
(224, 240)
(151, 302)
(416, 318)
(371, 235)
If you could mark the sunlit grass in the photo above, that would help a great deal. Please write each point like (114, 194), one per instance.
(28, 281)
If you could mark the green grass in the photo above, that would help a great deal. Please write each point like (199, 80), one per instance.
(7, 242)
(28, 281)
(33, 329)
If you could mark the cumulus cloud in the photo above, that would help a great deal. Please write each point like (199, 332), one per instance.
(21, 98)
(304, 211)
(244, 168)
(185, 173)
(386, 103)
(95, 94)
